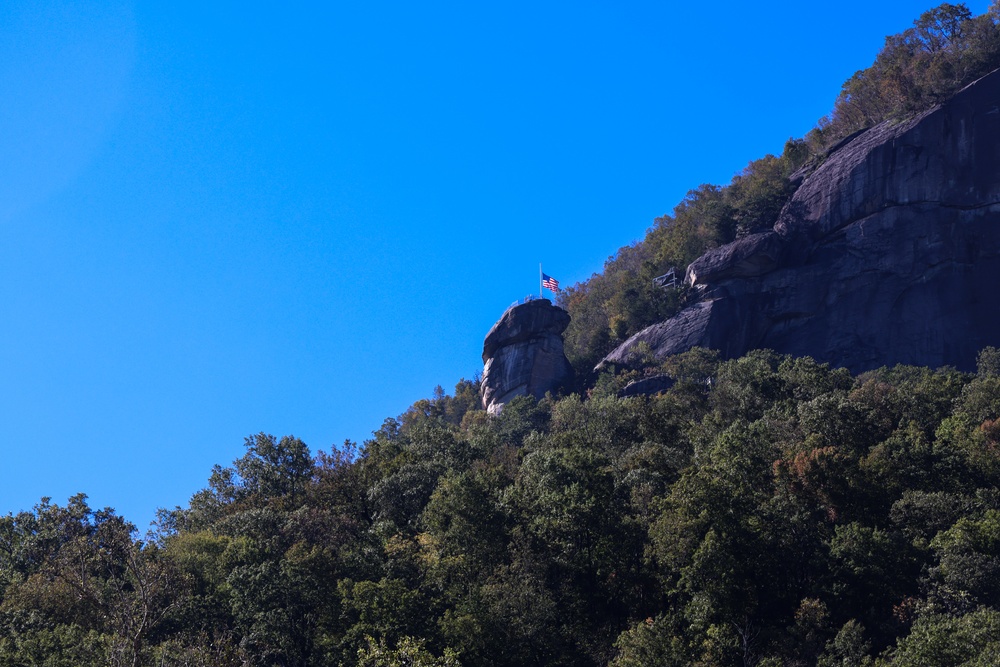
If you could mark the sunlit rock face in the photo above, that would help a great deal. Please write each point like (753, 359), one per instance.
(889, 252)
(523, 353)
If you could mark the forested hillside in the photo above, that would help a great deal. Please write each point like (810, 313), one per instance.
(763, 511)
(946, 49)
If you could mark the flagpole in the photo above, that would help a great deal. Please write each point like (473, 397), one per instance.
(540, 280)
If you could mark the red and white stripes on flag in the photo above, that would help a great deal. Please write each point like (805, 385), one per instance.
(548, 282)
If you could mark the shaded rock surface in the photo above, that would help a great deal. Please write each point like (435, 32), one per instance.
(647, 386)
(751, 256)
(889, 252)
(523, 354)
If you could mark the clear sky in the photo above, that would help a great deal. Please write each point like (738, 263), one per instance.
(224, 218)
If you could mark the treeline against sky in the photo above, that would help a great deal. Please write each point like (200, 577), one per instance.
(945, 50)
(763, 511)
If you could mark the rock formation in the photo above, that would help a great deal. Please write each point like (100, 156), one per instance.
(523, 353)
(888, 252)
(650, 386)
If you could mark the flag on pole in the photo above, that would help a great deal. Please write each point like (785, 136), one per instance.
(548, 282)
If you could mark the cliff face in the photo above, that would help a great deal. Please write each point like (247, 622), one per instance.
(523, 354)
(889, 252)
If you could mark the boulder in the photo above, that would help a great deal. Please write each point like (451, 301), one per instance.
(888, 252)
(523, 354)
(751, 256)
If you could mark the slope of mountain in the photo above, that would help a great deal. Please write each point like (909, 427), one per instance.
(889, 252)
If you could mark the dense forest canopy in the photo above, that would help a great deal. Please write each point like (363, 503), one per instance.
(946, 49)
(765, 511)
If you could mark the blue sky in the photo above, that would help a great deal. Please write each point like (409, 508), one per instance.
(224, 218)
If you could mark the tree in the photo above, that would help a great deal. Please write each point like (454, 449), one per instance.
(946, 641)
(848, 649)
(968, 554)
(274, 468)
(409, 652)
(872, 570)
(662, 641)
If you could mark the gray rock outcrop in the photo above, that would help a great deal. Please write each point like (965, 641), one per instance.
(523, 354)
(888, 252)
(650, 386)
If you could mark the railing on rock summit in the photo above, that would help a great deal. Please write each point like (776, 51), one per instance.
(668, 279)
(530, 297)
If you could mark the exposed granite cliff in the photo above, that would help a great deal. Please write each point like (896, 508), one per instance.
(523, 353)
(889, 252)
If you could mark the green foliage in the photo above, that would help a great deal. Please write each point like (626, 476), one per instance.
(274, 468)
(763, 510)
(988, 362)
(872, 569)
(946, 49)
(970, 640)
(968, 561)
(848, 649)
(59, 646)
(653, 641)
(409, 653)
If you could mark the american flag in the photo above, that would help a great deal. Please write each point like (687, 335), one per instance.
(548, 282)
